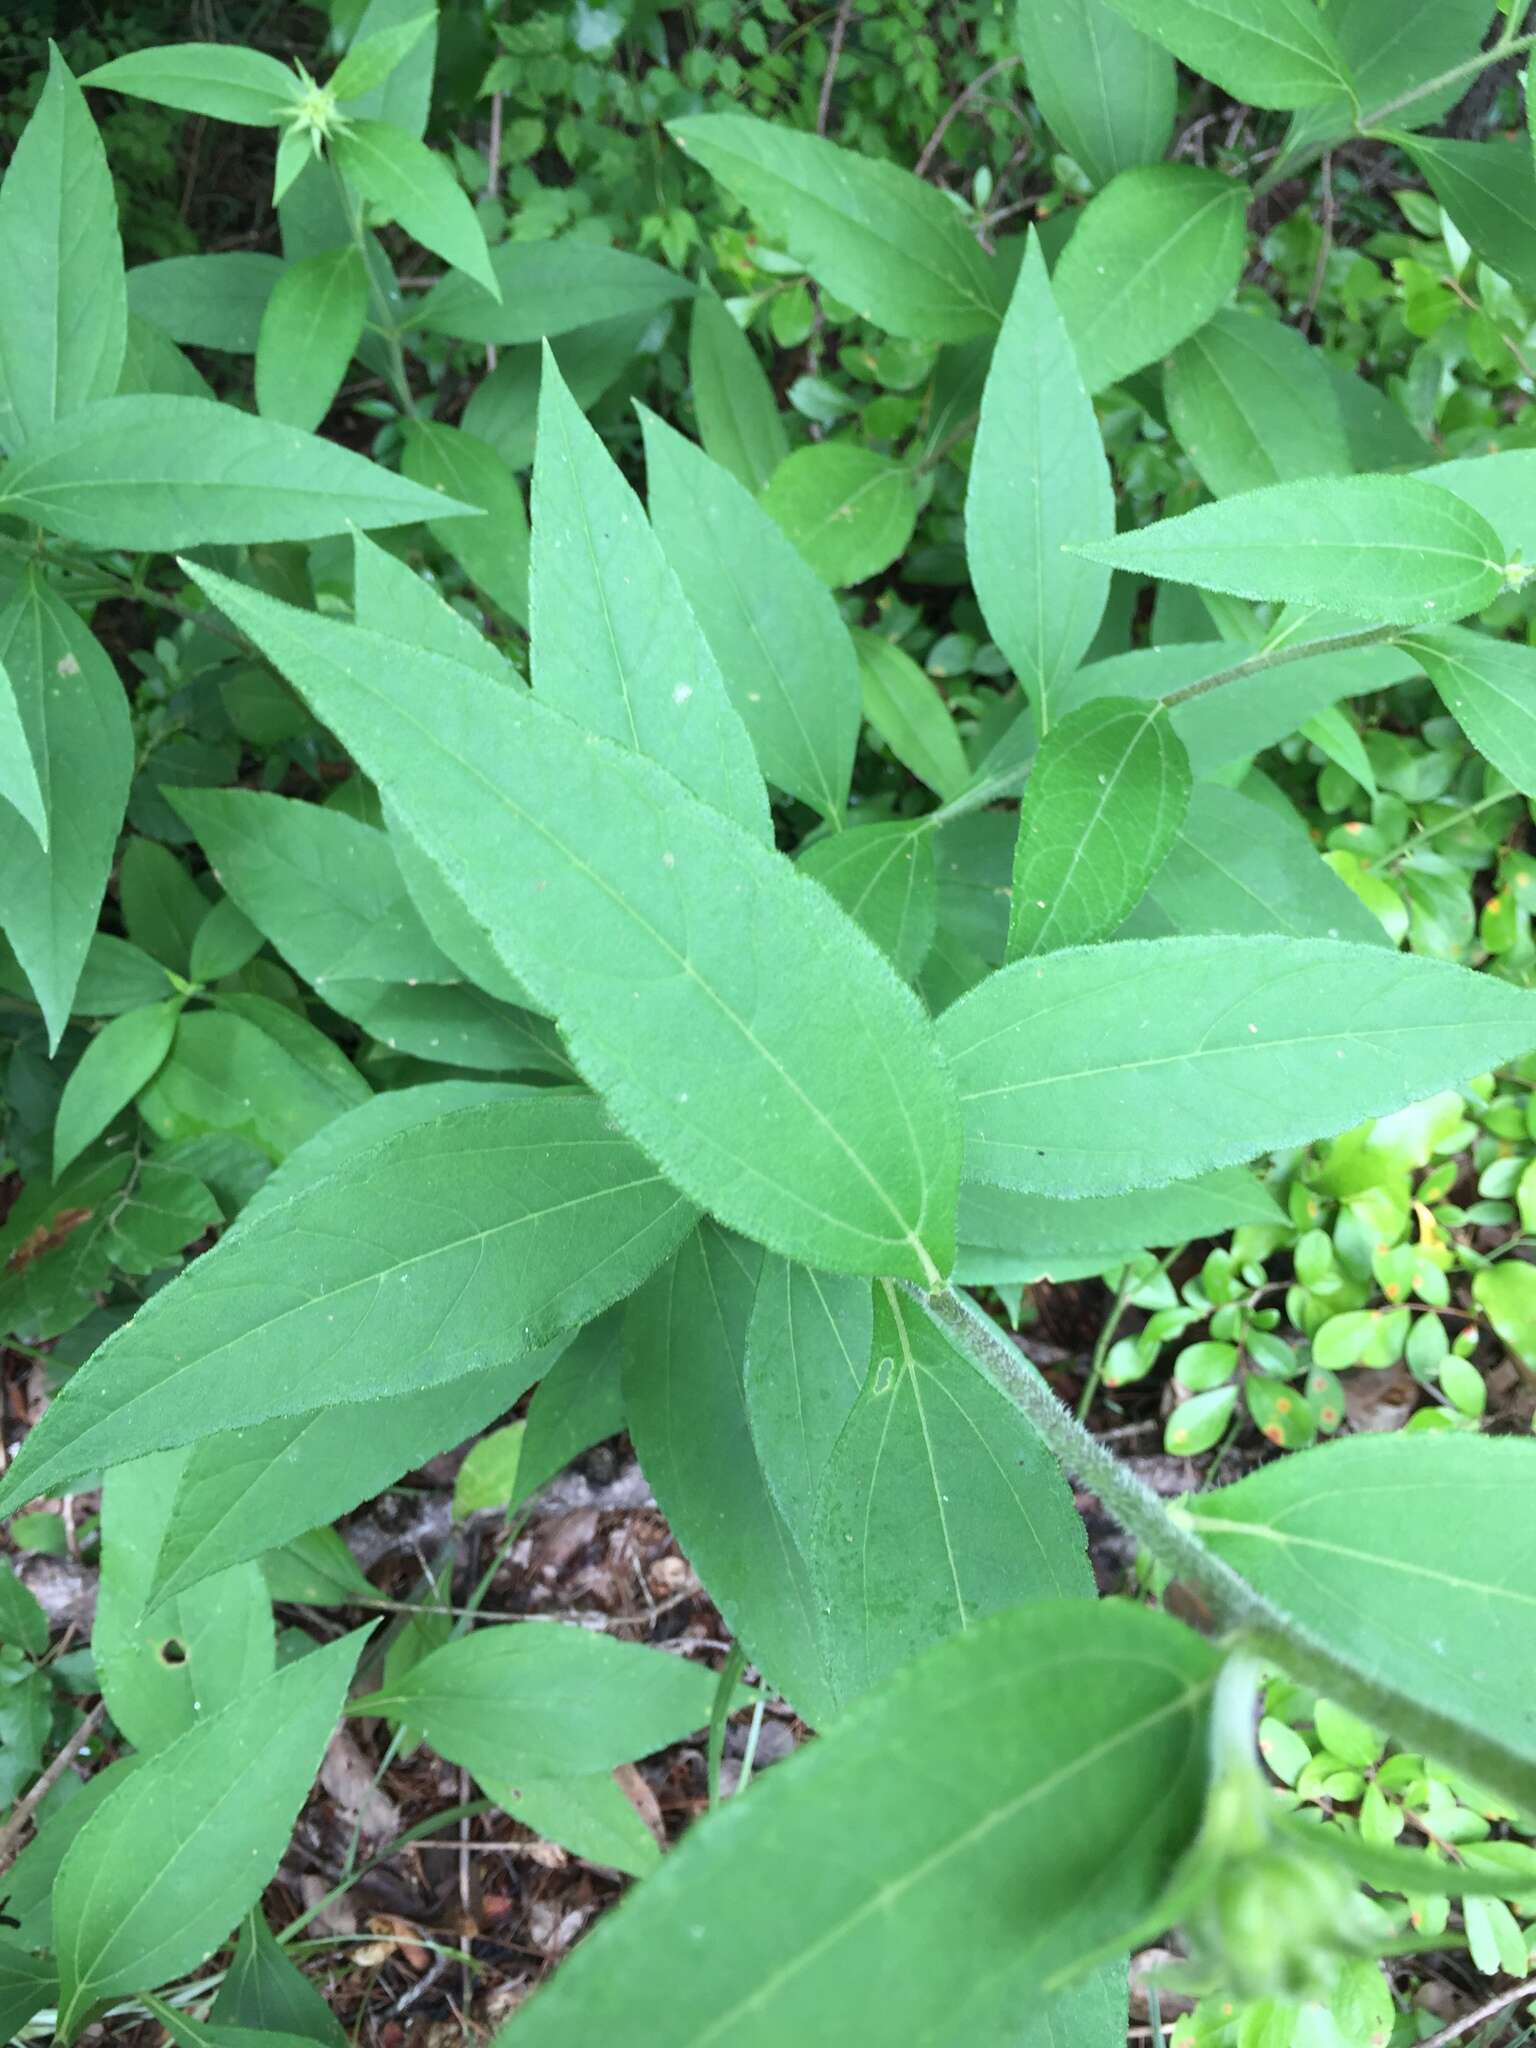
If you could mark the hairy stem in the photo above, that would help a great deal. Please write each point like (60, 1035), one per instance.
(1280, 657)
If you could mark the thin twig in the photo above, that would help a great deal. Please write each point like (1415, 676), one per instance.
(27, 1805)
(834, 58)
(1324, 247)
(1468, 2021)
(930, 147)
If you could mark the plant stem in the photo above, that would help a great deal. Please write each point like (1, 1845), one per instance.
(1279, 657)
(1106, 1337)
(1010, 780)
(1173, 1539)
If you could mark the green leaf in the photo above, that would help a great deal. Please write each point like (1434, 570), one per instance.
(1053, 1721)
(118, 1062)
(546, 1700)
(487, 1233)
(938, 1506)
(162, 1672)
(263, 1988)
(792, 1087)
(169, 1862)
(1411, 1559)
(162, 906)
(615, 645)
(685, 1408)
(404, 97)
(578, 1403)
(782, 649)
(392, 598)
(19, 784)
(1117, 1066)
(262, 1073)
(183, 472)
(23, 1622)
(1506, 1293)
(907, 710)
(1238, 866)
(252, 1490)
(1038, 479)
(1253, 404)
(65, 326)
(1489, 688)
(416, 187)
(372, 58)
(207, 301)
(153, 363)
(316, 1571)
(1502, 490)
(849, 511)
(1154, 255)
(1489, 191)
(329, 894)
(548, 288)
(890, 246)
(1108, 93)
(884, 877)
(493, 550)
(1007, 1236)
(1271, 53)
(217, 79)
(733, 401)
(1104, 803)
(224, 942)
(1383, 548)
(75, 716)
(28, 1983)
(808, 1345)
(308, 335)
(1393, 48)
(589, 1815)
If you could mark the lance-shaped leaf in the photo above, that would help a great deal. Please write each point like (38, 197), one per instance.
(1253, 404)
(254, 1489)
(548, 288)
(118, 1062)
(1103, 804)
(888, 244)
(207, 301)
(416, 187)
(19, 783)
(807, 1359)
(737, 412)
(789, 1084)
(615, 645)
(165, 472)
(75, 716)
(218, 79)
(1489, 688)
(1108, 93)
(161, 1672)
(493, 549)
(884, 877)
(1054, 1721)
(685, 1406)
(1038, 478)
(1412, 1560)
(1489, 191)
(771, 623)
(1385, 548)
(1271, 53)
(906, 709)
(546, 1700)
(938, 1506)
(1009, 1236)
(1113, 1067)
(177, 1852)
(264, 1988)
(1153, 257)
(309, 333)
(28, 1983)
(442, 1250)
(1239, 866)
(329, 894)
(66, 315)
